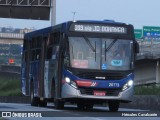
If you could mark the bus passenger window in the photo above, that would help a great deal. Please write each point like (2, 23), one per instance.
(33, 55)
(49, 53)
(38, 51)
(55, 52)
(52, 45)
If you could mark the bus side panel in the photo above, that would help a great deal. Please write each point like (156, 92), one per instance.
(42, 66)
(48, 79)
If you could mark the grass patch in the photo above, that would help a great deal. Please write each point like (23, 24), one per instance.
(147, 90)
(10, 87)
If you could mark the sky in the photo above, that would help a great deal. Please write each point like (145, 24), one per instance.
(136, 12)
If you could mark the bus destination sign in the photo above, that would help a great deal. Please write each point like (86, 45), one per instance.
(98, 28)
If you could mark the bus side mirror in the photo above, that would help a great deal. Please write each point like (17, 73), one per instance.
(136, 47)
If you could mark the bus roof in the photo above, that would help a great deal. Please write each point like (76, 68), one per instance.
(47, 30)
(38, 32)
(99, 21)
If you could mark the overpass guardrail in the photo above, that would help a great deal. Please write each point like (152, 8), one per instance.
(10, 69)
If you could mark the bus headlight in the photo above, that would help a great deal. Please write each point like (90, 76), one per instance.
(130, 82)
(67, 80)
(70, 82)
(127, 85)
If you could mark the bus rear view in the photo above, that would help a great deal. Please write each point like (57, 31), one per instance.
(92, 62)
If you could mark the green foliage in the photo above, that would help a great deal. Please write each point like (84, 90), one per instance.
(147, 90)
(9, 87)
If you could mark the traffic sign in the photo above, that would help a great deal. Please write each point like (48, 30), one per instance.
(150, 31)
(138, 33)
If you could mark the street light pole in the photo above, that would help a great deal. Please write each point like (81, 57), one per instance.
(53, 12)
(74, 15)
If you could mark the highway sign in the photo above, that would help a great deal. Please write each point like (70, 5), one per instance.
(150, 31)
(25, 9)
(138, 33)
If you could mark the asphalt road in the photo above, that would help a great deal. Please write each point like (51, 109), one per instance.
(70, 112)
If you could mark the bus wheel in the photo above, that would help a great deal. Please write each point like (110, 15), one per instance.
(43, 103)
(81, 106)
(113, 106)
(58, 104)
(33, 100)
(89, 106)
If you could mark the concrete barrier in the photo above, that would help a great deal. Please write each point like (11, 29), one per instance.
(9, 76)
(14, 99)
(148, 102)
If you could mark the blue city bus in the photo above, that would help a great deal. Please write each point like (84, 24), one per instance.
(81, 62)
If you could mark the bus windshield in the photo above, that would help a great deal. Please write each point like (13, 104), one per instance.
(100, 53)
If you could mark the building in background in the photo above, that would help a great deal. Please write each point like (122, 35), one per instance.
(11, 40)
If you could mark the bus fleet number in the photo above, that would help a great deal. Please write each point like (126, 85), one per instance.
(113, 84)
(79, 27)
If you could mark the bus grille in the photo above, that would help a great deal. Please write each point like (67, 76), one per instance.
(106, 76)
(109, 92)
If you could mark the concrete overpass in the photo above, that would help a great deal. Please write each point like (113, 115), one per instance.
(13, 37)
(147, 69)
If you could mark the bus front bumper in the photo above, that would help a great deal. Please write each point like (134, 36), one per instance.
(70, 92)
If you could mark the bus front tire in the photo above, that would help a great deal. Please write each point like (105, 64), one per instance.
(113, 106)
(89, 106)
(58, 104)
(43, 103)
(80, 106)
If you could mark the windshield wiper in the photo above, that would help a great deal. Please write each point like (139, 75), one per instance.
(109, 47)
(112, 43)
(90, 45)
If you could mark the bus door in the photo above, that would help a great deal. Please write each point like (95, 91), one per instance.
(51, 65)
